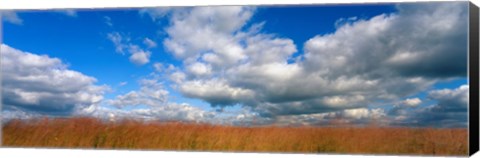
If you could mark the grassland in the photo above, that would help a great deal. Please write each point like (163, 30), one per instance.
(92, 133)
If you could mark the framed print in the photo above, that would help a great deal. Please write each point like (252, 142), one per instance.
(369, 78)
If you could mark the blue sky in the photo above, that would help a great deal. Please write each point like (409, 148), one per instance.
(89, 29)
(358, 62)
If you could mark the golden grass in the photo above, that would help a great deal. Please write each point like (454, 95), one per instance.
(92, 133)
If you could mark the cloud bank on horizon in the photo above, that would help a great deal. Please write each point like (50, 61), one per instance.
(388, 68)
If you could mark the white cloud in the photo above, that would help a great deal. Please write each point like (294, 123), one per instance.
(166, 112)
(68, 12)
(160, 67)
(7, 115)
(421, 40)
(404, 107)
(265, 49)
(338, 101)
(176, 112)
(411, 102)
(11, 17)
(108, 21)
(38, 83)
(450, 110)
(384, 58)
(156, 13)
(138, 56)
(123, 83)
(356, 113)
(358, 116)
(199, 69)
(345, 21)
(117, 40)
(451, 98)
(177, 77)
(216, 92)
(227, 61)
(151, 94)
(149, 43)
(207, 29)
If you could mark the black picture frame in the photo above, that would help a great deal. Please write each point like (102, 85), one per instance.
(473, 79)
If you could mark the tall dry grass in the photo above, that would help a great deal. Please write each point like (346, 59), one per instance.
(92, 133)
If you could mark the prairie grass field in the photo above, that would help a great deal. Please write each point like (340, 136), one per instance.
(91, 133)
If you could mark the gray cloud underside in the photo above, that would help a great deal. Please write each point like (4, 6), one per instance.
(450, 110)
(38, 83)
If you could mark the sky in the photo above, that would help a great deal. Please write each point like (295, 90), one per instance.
(390, 64)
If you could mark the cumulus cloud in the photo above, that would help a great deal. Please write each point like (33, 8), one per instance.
(11, 17)
(156, 13)
(421, 40)
(117, 40)
(138, 56)
(345, 21)
(167, 112)
(356, 116)
(451, 99)
(45, 85)
(151, 93)
(108, 21)
(411, 102)
(68, 12)
(349, 75)
(11, 113)
(216, 92)
(158, 67)
(199, 69)
(123, 83)
(149, 43)
(176, 112)
(227, 61)
(403, 108)
(203, 29)
(155, 97)
(450, 110)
